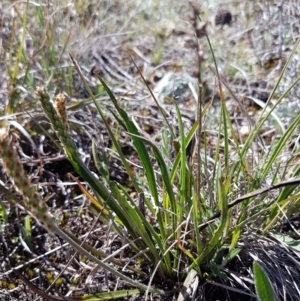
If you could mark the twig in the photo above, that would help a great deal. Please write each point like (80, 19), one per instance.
(247, 196)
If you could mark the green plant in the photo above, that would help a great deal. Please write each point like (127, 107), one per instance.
(263, 286)
(179, 216)
(27, 232)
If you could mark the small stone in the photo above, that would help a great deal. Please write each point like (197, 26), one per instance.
(244, 131)
(175, 87)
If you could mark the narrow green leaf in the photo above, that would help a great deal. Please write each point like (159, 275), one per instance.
(263, 286)
(281, 144)
(232, 254)
(222, 187)
(103, 170)
(27, 230)
(142, 153)
(164, 173)
(134, 224)
(187, 141)
(263, 117)
(113, 295)
(235, 237)
(183, 172)
(225, 116)
(111, 134)
(145, 225)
